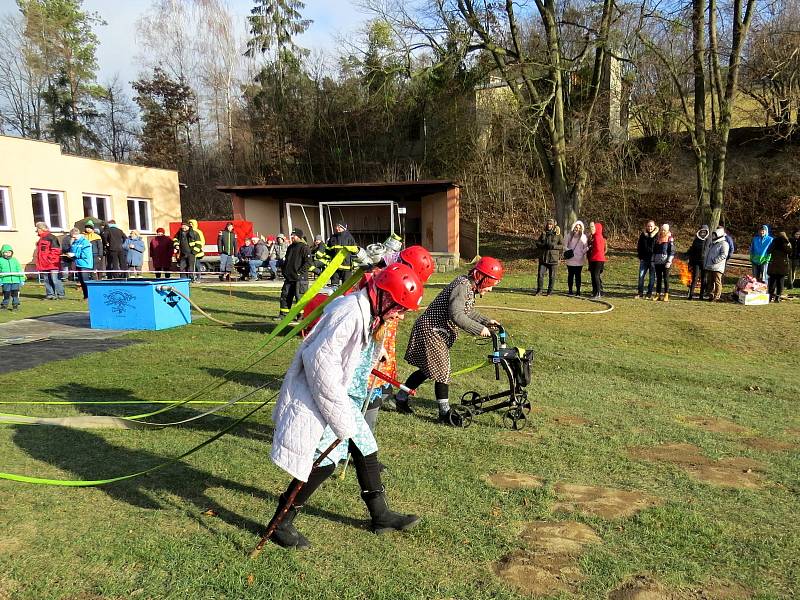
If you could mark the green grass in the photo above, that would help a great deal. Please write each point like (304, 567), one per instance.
(632, 373)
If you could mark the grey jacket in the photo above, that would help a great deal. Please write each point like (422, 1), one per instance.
(717, 254)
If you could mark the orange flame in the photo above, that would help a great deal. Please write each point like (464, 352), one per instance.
(684, 272)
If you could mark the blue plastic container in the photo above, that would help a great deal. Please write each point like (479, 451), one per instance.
(138, 304)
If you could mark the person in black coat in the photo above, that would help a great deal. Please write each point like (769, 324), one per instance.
(645, 248)
(295, 272)
(183, 243)
(341, 239)
(116, 254)
(696, 256)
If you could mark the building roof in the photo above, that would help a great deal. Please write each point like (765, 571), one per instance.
(312, 189)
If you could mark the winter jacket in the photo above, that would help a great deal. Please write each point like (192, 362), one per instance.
(578, 244)
(48, 252)
(10, 265)
(261, 251)
(697, 249)
(161, 250)
(780, 249)
(759, 248)
(199, 244)
(246, 252)
(339, 240)
(731, 245)
(184, 242)
(295, 265)
(664, 252)
(96, 242)
(597, 245)
(717, 252)
(314, 390)
(135, 252)
(82, 250)
(227, 242)
(646, 245)
(113, 239)
(549, 247)
(280, 250)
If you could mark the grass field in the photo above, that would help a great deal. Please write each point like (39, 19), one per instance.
(689, 407)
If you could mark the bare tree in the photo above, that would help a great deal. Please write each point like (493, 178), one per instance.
(116, 126)
(21, 103)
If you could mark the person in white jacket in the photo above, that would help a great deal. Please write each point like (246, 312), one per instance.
(320, 399)
(575, 248)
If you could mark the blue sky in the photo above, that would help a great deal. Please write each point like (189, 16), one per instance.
(117, 50)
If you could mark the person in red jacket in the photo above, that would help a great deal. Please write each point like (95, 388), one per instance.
(48, 261)
(597, 258)
(161, 253)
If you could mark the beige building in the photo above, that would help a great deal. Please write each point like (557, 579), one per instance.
(39, 183)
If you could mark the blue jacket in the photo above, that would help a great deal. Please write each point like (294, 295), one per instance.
(82, 249)
(759, 248)
(135, 251)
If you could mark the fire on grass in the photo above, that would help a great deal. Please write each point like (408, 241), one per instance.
(684, 272)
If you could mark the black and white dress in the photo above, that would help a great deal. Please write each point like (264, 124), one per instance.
(436, 330)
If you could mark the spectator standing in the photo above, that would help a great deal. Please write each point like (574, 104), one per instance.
(183, 243)
(714, 263)
(227, 246)
(548, 247)
(342, 238)
(575, 247)
(115, 250)
(135, 253)
(696, 256)
(244, 255)
(794, 261)
(66, 263)
(295, 272)
(759, 253)
(780, 250)
(97, 249)
(644, 250)
(198, 249)
(663, 256)
(260, 256)
(47, 257)
(597, 258)
(80, 251)
(161, 251)
(272, 260)
(280, 250)
(11, 277)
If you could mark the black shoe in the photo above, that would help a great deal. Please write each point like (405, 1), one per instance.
(403, 406)
(285, 534)
(569, 293)
(383, 519)
(548, 292)
(536, 293)
(448, 417)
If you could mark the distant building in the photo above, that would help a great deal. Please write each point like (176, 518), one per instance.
(39, 183)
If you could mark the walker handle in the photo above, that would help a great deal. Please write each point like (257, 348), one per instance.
(393, 381)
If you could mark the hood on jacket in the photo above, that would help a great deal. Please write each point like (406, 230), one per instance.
(6, 248)
(598, 228)
(550, 224)
(193, 223)
(578, 222)
(702, 229)
(719, 234)
(765, 228)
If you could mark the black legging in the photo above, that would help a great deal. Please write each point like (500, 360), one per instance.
(367, 471)
(596, 271)
(775, 285)
(81, 274)
(662, 275)
(550, 270)
(698, 272)
(574, 274)
(417, 378)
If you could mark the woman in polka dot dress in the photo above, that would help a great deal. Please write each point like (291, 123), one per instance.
(435, 332)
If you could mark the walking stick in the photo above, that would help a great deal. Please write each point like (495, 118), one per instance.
(279, 517)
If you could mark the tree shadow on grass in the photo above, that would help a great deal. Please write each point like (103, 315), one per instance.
(87, 456)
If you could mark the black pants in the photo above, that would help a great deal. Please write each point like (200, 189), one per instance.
(662, 278)
(775, 285)
(82, 275)
(551, 274)
(417, 378)
(162, 270)
(596, 271)
(367, 471)
(117, 262)
(186, 266)
(698, 271)
(574, 275)
(291, 293)
(99, 267)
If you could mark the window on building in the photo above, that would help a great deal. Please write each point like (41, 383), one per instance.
(5, 209)
(139, 214)
(49, 207)
(98, 207)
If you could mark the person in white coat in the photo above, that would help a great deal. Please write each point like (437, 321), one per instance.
(575, 248)
(320, 400)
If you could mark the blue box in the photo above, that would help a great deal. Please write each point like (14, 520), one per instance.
(138, 304)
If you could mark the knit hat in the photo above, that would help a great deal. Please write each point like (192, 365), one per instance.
(298, 232)
(341, 224)
(319, 238)
(160, 230)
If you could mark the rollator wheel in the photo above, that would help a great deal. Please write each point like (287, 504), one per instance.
(524, 403)
(461, 416)
(514, 419)
(471, 399)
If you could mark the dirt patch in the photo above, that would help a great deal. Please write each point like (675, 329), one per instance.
(768, 444)
(737, 472)
(717, 425)
(514, 481)
(7, 588)
(641, 587)
(549, 564)
(570, 420)
(724, 591)
(9, 545)
(515, 439)
(793, 431)
(606, 503)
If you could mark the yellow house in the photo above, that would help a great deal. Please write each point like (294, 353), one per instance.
(39, 183)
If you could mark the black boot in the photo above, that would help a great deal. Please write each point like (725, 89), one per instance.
(448, 417)
(383, 519)
(401, 403)
(285, 534)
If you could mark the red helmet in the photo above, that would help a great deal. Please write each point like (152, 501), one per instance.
(420, 260)
(401, 283)
(491, 267)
